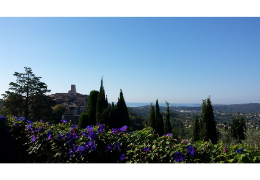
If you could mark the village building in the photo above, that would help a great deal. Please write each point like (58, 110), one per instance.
(74, 102)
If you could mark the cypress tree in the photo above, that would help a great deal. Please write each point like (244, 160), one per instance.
(159, 125)
(196, 130)
(202, 121)
(91, 108)
(238, 128)
(212, 129)
(101, 103)
(168, 127)
(242, 129)
(122, 111)
(113, 116)
(208, 130)
(151, 121)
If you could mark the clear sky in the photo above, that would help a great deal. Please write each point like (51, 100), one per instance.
(181, 60)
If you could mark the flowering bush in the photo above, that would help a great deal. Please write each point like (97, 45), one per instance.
(67, 143)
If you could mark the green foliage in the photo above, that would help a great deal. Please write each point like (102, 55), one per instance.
(207, 122)
(84, 120)
(196, 130)
(92, 106)
(238, 128)
(151, 118)
(159, 124)
(101, 104)
(168, 127)
(27, 97)
(122, 111)
(161, 149)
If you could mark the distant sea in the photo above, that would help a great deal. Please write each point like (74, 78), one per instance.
(131, 104)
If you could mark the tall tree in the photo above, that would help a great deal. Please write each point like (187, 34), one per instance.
(26, 88)
(159, 125)
(212, 129)
(168, 127)
(151, 121)
(208, 125)
(238, 128)
(122, 111)
(202, 122)
(242, 129)
(101, 103)
(196, 130)
(92, 106)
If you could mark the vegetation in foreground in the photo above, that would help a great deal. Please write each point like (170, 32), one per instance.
(67, 143)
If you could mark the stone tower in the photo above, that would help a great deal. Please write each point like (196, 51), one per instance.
(73, 90)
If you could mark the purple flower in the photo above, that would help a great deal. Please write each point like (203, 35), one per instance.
(70, 134)
(75, 137)
(117, 146)
(33, 138)
(90, 145)
(16, 125)
(83, 133)
(21, 119)
(81, 150)
(190, 150)
(178, 157)
(109, 147)
(168, 135)
(124, 128)
(71, 152)
(115, 130)
(29, 126)
(186, 142)
(63, 121)
(146, 149)
(73, 127)
(92, 135)
(100, 129)
(101, 125)
(59, 136)
(240, 150)
(48, 135)
(41, 120)
(90, 128)
(122, 157)
(29, 121)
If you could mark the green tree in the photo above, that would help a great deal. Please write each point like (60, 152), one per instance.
(238, 128)
(92, 106)
(168, 127)
(159, 124)
(202, 122)
(122, 111)
(242, 129)
(30, 90)
(101, 104)
(113, 116)
(196, 130)
(84, 120)
(208, 125)
(58, 111)
(151, 119)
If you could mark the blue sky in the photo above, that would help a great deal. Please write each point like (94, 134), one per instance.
(181, 60)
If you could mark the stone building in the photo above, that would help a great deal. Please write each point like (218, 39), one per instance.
(74, 102)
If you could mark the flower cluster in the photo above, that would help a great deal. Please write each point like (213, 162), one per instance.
(115, 130)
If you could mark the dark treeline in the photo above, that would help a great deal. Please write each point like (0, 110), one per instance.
(99, 111)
